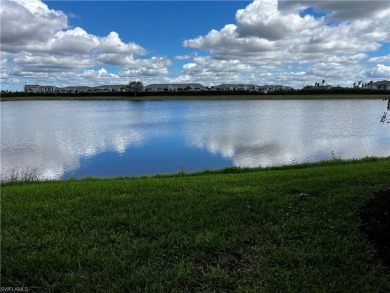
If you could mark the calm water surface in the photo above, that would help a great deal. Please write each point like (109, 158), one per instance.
(65, 139)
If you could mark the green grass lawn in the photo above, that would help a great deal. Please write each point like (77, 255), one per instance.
(233, 230)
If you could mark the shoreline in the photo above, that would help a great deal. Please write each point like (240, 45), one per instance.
(200, 97)
(206, 172)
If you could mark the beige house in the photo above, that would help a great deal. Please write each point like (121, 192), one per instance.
(73, 89)
(381, 85)
(36, 88)
(166, 87)
(237, 87)
(272, 88)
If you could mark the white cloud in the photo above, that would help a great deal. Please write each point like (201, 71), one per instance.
(75, 48)
(380, 71)
(67, 42)
(101, 74)
(206, 63)
(211, 71)
(261, 29)
(269, 35)
(155, 66)
(379, 59)
(263, 19)
(339, 11)
(50, 63)
(228, 43)
(39, 42)
(183, 57)
(113, 44)
(26, 21)
(271, 42)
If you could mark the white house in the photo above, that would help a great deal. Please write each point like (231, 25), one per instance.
(76, 89)
(165, 87)
(381, 85)
(36, 88)
(49, 89)
(109, 88)
(272, 88)
(237, 87)
(32, 88)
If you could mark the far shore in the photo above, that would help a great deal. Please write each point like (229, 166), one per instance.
(199, 98)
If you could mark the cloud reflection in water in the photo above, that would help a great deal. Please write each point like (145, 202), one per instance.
(56, 137)
(266, 133)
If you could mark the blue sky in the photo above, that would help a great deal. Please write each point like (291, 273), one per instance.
(159, 26)
(291, 42)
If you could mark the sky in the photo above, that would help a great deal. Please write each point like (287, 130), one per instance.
(288, 42)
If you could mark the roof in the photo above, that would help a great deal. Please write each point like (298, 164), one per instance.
(76, 88)
(113, 86)
(178, 85)
(382, 82)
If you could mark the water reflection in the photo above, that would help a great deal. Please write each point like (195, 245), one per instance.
(273, 133)
(54, 136)
(64, 138)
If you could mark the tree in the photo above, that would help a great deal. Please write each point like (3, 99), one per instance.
(386, 116)
(323, 81)
(135, 87)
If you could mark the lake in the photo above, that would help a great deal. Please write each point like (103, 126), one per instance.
(64, 139)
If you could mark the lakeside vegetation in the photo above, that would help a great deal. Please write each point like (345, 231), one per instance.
(282, 229)
(135, 91)
(193, 96)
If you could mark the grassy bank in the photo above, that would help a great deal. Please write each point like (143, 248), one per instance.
(286, 229)
(200, 97)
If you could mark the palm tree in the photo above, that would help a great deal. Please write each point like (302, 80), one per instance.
(323, 81)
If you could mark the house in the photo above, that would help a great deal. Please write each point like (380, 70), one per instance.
(272, 88)
(76, 89)
(72, 89)
(36, 88)
(32, 88)
(109, 88)
(381, 85)
(49, 89)
(166, 87)
(237, 87)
